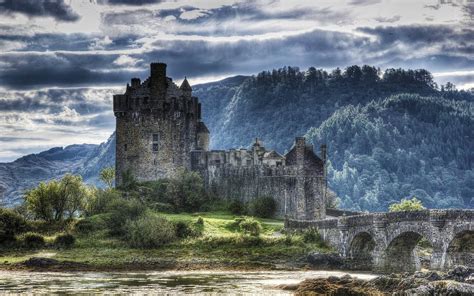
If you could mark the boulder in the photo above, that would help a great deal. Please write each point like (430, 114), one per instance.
(325, 260)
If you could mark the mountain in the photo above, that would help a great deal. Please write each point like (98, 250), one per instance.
(347, 109)
(278, 105)
(26, 172)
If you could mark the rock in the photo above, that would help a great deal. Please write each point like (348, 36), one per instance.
(453, 283)
(445, 288)
(460, 273)
(321, 260)
(344, 286)
(40, 262)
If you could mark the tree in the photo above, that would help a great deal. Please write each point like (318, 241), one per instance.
(407, 205)
(53, 200)
(107, 175)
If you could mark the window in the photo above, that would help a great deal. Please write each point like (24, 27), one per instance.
(156, 142)
(125, 147)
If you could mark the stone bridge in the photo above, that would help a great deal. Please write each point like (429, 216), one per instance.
(388, 242)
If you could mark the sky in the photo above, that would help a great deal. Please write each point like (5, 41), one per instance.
(62, 60)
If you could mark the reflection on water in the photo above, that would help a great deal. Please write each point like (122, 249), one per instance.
(163, 282)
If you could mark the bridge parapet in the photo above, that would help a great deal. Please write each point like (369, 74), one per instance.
(391, 238)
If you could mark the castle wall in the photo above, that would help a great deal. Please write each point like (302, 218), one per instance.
(296, 196)
(135, 145)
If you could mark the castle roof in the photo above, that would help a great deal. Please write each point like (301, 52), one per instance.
(185, 85)
(202, 128)
(272, 154)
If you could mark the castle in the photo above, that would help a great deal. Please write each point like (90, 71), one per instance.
(159, 131)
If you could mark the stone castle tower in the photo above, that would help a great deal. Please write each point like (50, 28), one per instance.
(158, 124)
(159, 131)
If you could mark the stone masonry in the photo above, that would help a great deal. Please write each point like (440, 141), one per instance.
(387, 242)
(159, 131)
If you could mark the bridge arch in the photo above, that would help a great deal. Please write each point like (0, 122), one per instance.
(401, 252)
(460, 248)
(361, 251)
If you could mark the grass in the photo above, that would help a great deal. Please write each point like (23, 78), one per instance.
(220, 246)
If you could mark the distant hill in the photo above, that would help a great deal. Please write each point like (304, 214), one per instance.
(341, 108)
(402, 146)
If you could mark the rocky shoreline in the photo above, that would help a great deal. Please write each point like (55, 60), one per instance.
(457, 282)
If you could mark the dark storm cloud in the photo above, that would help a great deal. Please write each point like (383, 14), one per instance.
(66, 42)
(52, 101)
(15, 139)
(28, 70)
(451, 40)
(40, 8)
(322, 48)
(241, 11)
(198, 58)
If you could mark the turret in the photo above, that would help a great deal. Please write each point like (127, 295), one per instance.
(136, 82)
(158, 79)
(186, 88)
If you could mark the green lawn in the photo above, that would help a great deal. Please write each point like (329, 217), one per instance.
(220, 246)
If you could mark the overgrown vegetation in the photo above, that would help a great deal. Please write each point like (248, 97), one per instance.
(152, 221)
(407, 205)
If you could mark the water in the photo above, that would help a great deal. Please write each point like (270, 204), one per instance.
(162, 282)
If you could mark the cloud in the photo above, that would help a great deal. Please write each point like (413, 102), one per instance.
(392, 19)
(52, 101)
(128, 2)
(364, 2)
(40, 8)
(126, 61)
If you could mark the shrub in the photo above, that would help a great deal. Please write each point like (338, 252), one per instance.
(186, 191)
(237, 207)
(121, 210)
(264, 207)
(162, 207)
(98, 202)
(32, 240)
(311, 235)
(251, 241)
(65, 240)
(250, 226)
(149, 231)
(11, 224)
(84, 226)
(413, 204)
(200, 221)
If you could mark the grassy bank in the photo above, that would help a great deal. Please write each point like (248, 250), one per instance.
(220, 246)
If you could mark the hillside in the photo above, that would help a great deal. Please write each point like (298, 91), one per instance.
(402, 146)
(427, 133)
